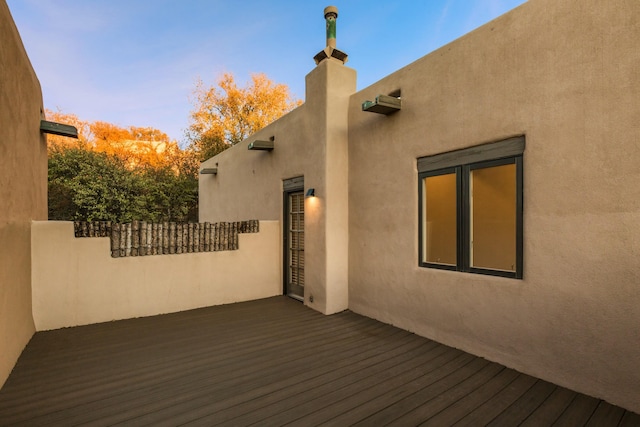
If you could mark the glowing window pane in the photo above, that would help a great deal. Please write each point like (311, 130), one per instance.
(492, 200)
(440, 230)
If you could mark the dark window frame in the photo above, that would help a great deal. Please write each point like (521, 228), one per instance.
(462, 162)
(421, 231)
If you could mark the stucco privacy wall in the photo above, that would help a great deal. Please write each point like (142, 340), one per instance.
(76, 282)
(310, 141)
(23, 189)
(565, 74)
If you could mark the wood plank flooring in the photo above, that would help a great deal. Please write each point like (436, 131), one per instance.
(274, 362)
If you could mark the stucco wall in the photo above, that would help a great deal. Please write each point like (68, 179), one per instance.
(310, 141)
(76, 282)
(565, 74)
(23, 189)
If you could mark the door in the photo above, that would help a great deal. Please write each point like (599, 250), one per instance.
(294, 244)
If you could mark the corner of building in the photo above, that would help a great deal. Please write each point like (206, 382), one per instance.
(23, 195)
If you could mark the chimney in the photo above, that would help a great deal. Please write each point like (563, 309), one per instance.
(330, 16)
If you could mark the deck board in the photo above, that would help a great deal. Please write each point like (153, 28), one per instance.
(498, 402)
(260, 397)
(605, 414)
(630, 419)
(551, 409)
(272, 362)
(240, 373)
(522, 408)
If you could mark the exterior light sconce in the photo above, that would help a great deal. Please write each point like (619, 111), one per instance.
(58, 129)
(209, 171)
(262, 145)
(383, 104)
(310, 193)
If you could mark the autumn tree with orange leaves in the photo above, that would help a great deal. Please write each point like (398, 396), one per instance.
(226, 114)
(138, 147)
(119, 174)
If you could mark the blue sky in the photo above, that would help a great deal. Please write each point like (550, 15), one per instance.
(135, 62)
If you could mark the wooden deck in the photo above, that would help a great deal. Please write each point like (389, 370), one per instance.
(274, 362)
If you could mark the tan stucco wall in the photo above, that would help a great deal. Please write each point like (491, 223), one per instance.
(310, 141)
(23, 189)
(565, 74)
(76, 282)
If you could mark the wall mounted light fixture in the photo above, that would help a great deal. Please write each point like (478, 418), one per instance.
(58, 129)
(209, 171)
(383, 104)
(310, 193)
(261, 145)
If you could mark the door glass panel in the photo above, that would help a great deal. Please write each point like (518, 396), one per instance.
(493, 217)
(295, 242)
(439, 222)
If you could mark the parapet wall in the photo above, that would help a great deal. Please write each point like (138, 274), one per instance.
(76, 281)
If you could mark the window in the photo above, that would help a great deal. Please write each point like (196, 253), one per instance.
(470, 205)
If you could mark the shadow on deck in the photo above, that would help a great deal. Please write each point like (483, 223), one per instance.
(273, 362)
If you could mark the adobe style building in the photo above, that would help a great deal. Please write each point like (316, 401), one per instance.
(486, 197)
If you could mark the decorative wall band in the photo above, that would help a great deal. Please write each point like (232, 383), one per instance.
(141, 238)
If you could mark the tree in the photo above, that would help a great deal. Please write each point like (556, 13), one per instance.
(137, 147)
(120, 174)
(226, 115)
(174, 188)
(89, 185)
